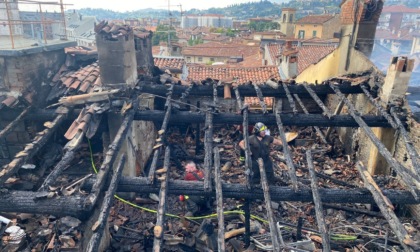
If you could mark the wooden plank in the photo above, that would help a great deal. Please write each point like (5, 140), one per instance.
(261, 99)
(276, 238)
(160, 220)
(387, 209)
(4, 132)
(286, 150)
(99, 227)
(318, 204)
(290, 98)
(219, 200)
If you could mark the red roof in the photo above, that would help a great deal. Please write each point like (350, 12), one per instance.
(399, 9)
(216, 49)
(257, 75)
(171, 63)
(308, 55)
(315, 19)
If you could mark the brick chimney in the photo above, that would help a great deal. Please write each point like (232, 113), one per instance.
(358, 23)
(288, 61)
(116, 54)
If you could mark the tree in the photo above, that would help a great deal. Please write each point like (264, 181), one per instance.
(161, 34)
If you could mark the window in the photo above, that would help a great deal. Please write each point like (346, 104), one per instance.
(284, 18)
(291, 18)
(188, 59)
(200, 59)
(212, 59)
(301, 34)
(314, 34)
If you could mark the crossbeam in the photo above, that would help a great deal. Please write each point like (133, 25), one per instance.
(299, 120)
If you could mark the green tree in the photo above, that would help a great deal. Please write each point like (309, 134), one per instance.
(161, 34)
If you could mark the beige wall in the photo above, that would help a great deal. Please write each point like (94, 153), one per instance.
(308, 29)
(204, 60)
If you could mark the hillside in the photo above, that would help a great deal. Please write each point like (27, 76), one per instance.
(262, 8)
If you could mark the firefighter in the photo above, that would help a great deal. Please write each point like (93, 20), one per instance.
(194, 204)
(259, 143)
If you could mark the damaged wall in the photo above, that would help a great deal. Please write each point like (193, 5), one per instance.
(30, 71)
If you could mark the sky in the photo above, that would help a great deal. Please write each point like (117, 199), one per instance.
(129, 5)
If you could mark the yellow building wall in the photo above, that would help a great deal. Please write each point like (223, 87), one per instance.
(416, 45)
(329, 67)
(308, 30)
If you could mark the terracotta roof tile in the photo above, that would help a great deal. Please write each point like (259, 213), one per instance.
(215, 49)
(80, 81)
(80, 50)
(169, 63)
(315, 19)
(308, 55)
(257, 75)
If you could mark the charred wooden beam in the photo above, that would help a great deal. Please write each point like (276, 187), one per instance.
(58, 169)
(42, 203)
(290, 98)
(414, 156)
(248, 164)
(181, 187)
(318, 101)
(317, 129)
(411, 180)
(160, 219)
(31, 149)
(208, 147)
(219, 201)
(247, 211)
(378, 106)
(99, 227)
(387, 209)
(299, 120)
(249, 90)
(319, 212)
(185, 94)
(276, 238)
(14, 123)
(162, 135)
(111, 155)
(260, 98)
(337, 111)
(287, 153)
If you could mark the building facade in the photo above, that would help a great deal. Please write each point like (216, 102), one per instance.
(206, 21)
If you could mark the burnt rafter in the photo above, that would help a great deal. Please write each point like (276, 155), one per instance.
(411, 179)
(249, 90)
(160, 219)
(287, 153)
(43, 203)
(219, 200)
(110, 156)
(290, 98)
(245, 111)
(162, 135)
(278, 193)
(299, 120)
(100, 225)
(317, 100)
(32, 148)
(14, 123)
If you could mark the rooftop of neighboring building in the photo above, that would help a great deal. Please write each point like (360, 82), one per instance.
(216, 49)
(24, 46)
(238, 75)
(399, 9)
(315, 19)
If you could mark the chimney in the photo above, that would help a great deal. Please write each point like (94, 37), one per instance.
(288, 45)
(116, 54)
(359, 18)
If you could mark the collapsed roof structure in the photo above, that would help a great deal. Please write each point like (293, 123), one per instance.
(104, 107)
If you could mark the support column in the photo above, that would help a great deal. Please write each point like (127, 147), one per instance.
(393, 90)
